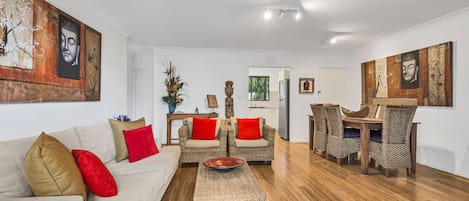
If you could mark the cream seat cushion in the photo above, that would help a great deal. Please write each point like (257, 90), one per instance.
(251, 143)
(202, 143)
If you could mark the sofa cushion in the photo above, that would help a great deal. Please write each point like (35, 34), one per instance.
(204, 128)
(51, 169)
(136, 187)
(140, 143)
(97, 177)
(165, 160)
(202, 143)
(119, 140)
(68, 137)
(97, 139)
(235, 125)
(13, 182)
(248, 128)
(190, 121)
(251, 143)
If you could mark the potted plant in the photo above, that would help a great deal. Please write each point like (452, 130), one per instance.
(173, 86)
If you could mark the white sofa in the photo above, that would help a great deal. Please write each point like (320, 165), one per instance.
(144, 180)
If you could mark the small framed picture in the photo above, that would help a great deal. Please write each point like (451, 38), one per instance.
(212, 101)
(306, 85)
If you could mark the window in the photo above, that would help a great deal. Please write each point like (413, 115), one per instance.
(259, 88)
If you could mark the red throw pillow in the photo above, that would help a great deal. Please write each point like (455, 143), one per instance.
(248, 128)
(140, 143)
(204, 128)
(97, 177)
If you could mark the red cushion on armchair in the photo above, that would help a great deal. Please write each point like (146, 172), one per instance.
(204, 128)
(248, 128)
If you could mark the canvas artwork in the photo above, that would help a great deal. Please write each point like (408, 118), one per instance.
(92, 64)
(57, 70)
(16, 33)
(424, 75)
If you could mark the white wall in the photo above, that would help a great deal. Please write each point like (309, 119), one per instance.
(20, 120)
(206, 70)
(443, 140)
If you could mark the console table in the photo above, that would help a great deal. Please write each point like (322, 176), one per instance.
(170, 117)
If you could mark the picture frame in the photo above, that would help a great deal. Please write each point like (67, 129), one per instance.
(212, 101)
(306, 85)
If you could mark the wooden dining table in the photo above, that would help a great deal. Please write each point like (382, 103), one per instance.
(365, 125)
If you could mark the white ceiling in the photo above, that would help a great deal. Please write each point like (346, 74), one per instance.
(239, 23)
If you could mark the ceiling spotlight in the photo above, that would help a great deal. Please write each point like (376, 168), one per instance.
(268, 15)
(297, 15)
(333, 40)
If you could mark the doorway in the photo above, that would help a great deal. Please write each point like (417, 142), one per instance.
(333, 85)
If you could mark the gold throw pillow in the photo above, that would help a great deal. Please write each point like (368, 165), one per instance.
(119, 140)
(52, 170)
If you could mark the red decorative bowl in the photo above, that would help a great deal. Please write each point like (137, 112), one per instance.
(223, 164)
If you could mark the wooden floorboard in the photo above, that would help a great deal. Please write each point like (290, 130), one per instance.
(298, 174)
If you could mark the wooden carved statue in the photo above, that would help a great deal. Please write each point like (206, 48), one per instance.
(229, 110)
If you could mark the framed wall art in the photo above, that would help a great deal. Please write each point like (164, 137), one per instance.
(423, 75)
(306, 85)
(53, 58)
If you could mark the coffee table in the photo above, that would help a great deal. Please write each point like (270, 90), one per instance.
(237, 184)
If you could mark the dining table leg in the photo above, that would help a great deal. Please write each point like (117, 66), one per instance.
(364, 148)
(413, 148)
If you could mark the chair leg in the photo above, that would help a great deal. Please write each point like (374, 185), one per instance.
(324, 154)
(339, 161)
(408, 172)
(386, 172)
(314, 150)
(348, 159)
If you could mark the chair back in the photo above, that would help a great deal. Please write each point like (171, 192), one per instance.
(397, 124)
(335, 126)
(319, 118)
(372, 109)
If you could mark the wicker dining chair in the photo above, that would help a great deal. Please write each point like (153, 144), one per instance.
(340, 142)
(320, 128)
(391, 147)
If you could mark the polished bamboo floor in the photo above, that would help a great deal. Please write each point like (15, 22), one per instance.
(298, 174)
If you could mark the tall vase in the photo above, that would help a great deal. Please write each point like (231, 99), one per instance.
(172, 107)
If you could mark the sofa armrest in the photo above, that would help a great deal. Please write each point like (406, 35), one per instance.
(269, 134)
(183, 132)
(46, 198)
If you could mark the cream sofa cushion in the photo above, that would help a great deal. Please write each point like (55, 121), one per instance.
(98, 139)
(202, 143)
(13, 181)
(251, 143)
(68, 137)
(46, 198)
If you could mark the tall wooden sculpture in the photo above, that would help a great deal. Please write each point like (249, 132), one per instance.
(229, 110)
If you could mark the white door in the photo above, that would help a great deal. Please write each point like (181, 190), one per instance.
(333, 85)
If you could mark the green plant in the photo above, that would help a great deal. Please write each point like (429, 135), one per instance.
(173, 86)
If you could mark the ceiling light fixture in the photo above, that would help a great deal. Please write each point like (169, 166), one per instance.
(281, 12)
(268, 15)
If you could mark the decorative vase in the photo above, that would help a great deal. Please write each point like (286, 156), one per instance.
(172, 107)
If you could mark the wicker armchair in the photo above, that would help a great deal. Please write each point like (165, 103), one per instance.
(252, 150)
(391, 147)
(193, 151)
(320, 128)
(340, 142)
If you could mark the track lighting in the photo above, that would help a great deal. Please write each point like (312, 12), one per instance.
(281, 12)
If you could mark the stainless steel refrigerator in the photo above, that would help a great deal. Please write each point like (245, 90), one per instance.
(284, 109)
